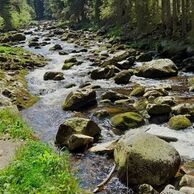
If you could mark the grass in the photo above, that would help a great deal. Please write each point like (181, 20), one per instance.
(37, 168)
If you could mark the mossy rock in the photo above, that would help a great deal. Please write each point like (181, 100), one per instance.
(76, 125)
(80, 99)
(127, 120)
(141, 104)
(138, 91)
(160, 68)
(67, 66)
(139, 154)
(179, 122)
(122, 77)
(71, 60)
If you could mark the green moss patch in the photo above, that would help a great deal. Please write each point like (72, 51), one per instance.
(16, 58)
(127, 120)
(179, 122)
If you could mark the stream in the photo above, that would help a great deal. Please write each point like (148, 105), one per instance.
(46, 115)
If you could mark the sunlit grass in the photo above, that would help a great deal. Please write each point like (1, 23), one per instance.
(37, 168)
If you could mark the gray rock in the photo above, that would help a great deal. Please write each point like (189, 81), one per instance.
(103, 73)
(80, 99)
(53, 76)
(122, 77)
(169, 189)
(76, 125)
(160, 68)
(139, 154)
(158, 109)
(79, 141)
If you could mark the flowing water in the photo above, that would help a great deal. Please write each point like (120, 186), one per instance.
(46, 115)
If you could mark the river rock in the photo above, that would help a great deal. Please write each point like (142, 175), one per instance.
(104, 148)
(17, 37)
(103, 73)
(187, 190)
(113, 96)
(80, 99)
(138, 91)
(182, 109)
(170, 100)
(76, 125)
(70, 60)
(67, 66)
(155, 92)
(33, 44)
(124, 102)
(160, 68)
(187, 180)
(79, 141)
(118, 56)
(122, 77)
(179, 122)
(188, 167)
(158, 109)
(56, 47)
(170, 189)
(63, 53)
(126, 64)
(141, 104)
(191, 84)
(53, 76)
(139, 154)
(128, 120)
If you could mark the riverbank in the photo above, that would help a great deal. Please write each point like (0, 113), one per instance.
(33, 167)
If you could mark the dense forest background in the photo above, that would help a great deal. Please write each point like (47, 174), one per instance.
(126, 18)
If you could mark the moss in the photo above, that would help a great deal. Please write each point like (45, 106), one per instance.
(179, 122)
(137, 91)
(141, 104)
(67, 66)
(18, 59)
(127, 120)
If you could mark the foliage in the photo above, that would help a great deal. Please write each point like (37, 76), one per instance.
(11, 124)
(14, 13)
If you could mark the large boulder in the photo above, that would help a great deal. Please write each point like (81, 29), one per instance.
(76, 125)
(179, 122)
(18, 37)
(80, 99)
(144, 158)
(127, 120)
(160, 68)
